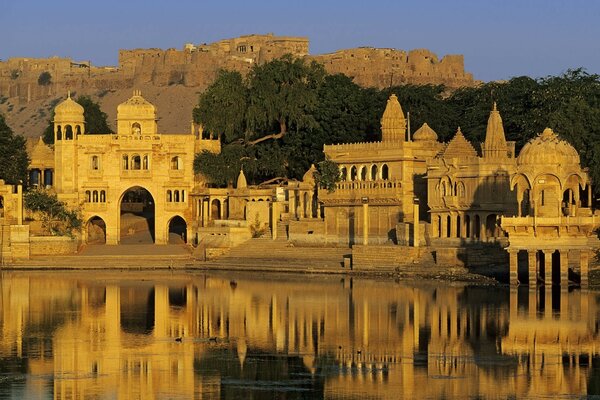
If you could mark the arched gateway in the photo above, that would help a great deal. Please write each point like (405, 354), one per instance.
(131, 184)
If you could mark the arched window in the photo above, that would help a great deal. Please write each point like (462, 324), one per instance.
(95, 196)
(68, 132)
(125, 161)
(146, 162)
(343, 173)
(136, 162)
(78, 129)
(353, 173)
(385, 172)
(95, 163)
(102, 196)
(176, 196)
(374, 172)
(88, 196)
(176, 162)
(169, 196)
(460, 189)
(183, 196)
(58, 132)
(136, 129)
(363, 173)
(1, 206)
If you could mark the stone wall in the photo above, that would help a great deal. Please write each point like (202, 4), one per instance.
(307, 232)
(52, 245)
(197, 66)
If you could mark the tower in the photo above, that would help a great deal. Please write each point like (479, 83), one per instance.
(393, 123)
(495, 142)
(69, 123)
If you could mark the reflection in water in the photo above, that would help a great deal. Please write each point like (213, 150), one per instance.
(235, 336)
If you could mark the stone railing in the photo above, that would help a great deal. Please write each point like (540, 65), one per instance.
(368, 186)
(551, 221)
(136, 137)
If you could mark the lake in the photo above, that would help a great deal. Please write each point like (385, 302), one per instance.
(197, 335)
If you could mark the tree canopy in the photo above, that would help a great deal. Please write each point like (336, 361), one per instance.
(13, 155)
(277, 119)
(95, 119)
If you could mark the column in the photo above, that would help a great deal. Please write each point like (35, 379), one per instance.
(514, 264)
(443, 227)
(532, 302)
(435, 228)
(274, 219)
(292, 202)
(564, 268)
(222, 216)
(365, 224)
(584, 268)
(300, 205)
(205, 208)
(453, 226)
(463, 226)
(19, 204)
(533, 268)
(548, 268)
(416, 227)
(482, 229)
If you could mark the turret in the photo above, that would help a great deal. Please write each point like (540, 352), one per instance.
(136, 116)
(495, 142)
(393, 123)
(68, 120)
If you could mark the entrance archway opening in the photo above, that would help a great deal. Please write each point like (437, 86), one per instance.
(177, 230)
(137, 217)
(96, 231)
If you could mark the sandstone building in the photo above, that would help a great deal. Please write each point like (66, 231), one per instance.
(196, 65)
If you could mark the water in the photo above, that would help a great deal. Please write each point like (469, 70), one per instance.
(94, 335)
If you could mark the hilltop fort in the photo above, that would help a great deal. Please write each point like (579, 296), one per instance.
(196, 66)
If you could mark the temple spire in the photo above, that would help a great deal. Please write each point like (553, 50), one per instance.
(495, 141)
(393, 123)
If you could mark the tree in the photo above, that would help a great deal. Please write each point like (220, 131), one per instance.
(96, 121)
(45, 79)
(282, 96)
(222, 107)
(13, 155)
(55, 216)
(327, 175)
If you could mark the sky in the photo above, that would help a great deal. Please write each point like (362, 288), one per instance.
(499, 39)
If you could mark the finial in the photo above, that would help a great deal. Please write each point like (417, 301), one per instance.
(69, 94)
(495, 109)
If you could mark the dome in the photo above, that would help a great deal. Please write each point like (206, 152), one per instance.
(548, 149)
(136, 106)
(425, 133)
(69, 111)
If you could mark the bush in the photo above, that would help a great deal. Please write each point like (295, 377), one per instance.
(56, 218)
(45, 79)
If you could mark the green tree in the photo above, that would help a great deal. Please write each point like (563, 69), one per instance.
(222, 107)
(327, 175)
(55, 216)
(13, 155)
(45, 79)
(96, 121)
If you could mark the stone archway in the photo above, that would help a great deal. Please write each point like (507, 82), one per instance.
(136, 224)
(177, 230)
(96, 231)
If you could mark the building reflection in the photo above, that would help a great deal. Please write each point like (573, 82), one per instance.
(208, 336)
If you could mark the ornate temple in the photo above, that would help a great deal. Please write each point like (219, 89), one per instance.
(407, 199)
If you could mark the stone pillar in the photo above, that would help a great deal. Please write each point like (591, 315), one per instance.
(514, 265)
(463, 226)
(482, 229)
(443, 226)
(453, 226)
(532, 302)
(222, 216)
(205, 211)
(548, 301)
(300, 214)
(584, 268)
(564, 268)
(533, 267)
(548, 268)
(435, 228)
(416, 227)
(365, 224)
(292, 202)
(589, 195)
(19, 205)
(274, 219)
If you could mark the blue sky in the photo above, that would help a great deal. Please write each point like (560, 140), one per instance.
(499, 39)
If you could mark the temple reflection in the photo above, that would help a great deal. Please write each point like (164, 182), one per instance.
(218, 336)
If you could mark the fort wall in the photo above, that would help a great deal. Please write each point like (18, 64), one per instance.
(197, 66)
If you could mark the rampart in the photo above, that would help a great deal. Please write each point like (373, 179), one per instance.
(197, 65)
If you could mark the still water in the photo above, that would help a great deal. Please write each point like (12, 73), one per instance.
(91, 335)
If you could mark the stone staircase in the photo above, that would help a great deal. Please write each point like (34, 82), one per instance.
(265, 253)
